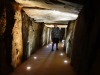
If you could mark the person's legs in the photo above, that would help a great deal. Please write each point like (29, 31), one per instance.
(57, 41)
(56, 46)
(52, 46)
(52, 43)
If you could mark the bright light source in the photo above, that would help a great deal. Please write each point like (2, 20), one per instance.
(47, 46)
(28, 68)
(65, 61)
(60, 26)
(63, 40)
(61, 54)
(35, 57)
(50, 44)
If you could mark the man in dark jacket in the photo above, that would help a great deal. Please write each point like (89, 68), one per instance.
(55, 35)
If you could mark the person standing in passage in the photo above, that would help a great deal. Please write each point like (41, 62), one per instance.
(55, 35)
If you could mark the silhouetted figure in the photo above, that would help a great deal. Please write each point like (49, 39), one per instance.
(55, 35)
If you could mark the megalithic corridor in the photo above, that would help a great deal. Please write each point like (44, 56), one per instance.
(27, 45)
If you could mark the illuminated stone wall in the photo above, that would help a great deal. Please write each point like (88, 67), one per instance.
(69, 38)
(32, 35)
(25, 33)
(44, 36)
(17, 46)
(36, 32)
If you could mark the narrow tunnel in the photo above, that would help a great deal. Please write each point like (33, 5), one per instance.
(25, 37)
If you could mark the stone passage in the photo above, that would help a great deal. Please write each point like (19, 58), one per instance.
(46, 62)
